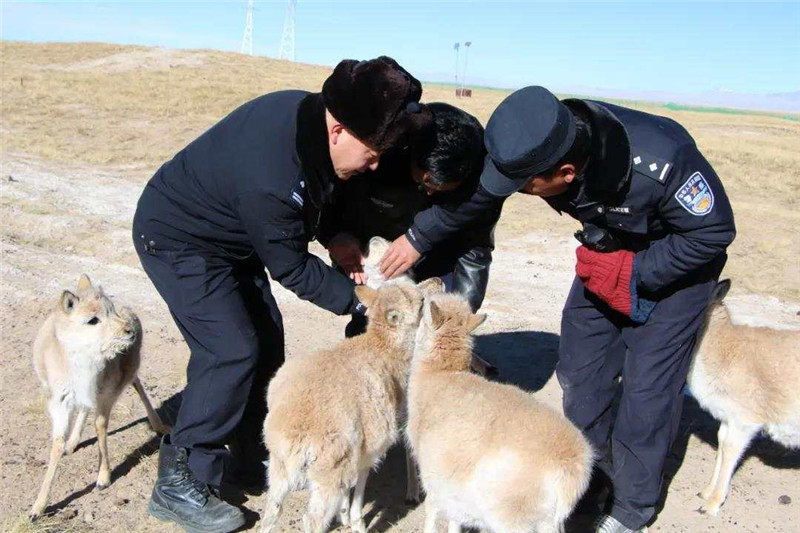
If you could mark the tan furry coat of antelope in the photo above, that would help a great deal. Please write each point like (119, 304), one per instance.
(85, 354)
(747, 378)
(333, 414)
(490, 455)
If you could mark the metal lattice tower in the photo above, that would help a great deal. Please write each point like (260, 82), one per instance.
(247, 39)
(287, 39)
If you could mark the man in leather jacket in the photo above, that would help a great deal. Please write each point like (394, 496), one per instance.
(245, 195)
(656, 226)
(441, 167)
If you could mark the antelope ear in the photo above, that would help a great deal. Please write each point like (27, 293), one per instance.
(474, 321)
(366, 295)
(84, 284)
(393, 317)
(431, 286)
(68, 301)
(721, 290)
(437, 316)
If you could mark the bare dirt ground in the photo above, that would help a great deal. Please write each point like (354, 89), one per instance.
(67, 195)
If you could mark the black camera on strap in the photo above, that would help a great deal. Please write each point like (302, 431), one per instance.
(597, 238)
(593, 236)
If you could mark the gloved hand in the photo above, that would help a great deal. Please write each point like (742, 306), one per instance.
(612, 277)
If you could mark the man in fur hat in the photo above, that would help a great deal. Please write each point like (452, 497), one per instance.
(246, 195)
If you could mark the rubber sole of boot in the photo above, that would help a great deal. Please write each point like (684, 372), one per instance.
(165, 515)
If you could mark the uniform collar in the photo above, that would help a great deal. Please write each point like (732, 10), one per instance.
(609, 169)
(311, 143)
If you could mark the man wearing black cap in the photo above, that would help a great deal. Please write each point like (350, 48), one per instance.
(656, 225)
(248, 194)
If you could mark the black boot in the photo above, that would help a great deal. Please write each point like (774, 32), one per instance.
(180, 497)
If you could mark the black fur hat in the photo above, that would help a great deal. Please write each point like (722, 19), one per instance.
(377, 100)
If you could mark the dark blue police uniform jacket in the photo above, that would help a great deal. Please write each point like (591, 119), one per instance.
(254, 184)
(246, 194)
(659, 197)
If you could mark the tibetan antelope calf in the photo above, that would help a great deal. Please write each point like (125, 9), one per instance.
(333, 414)
(746, 377)
(490, 456)
(375, 279)
(85, 354)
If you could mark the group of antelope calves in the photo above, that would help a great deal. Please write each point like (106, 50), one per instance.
(489, 455)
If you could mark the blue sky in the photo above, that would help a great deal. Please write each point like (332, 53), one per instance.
(747, 47)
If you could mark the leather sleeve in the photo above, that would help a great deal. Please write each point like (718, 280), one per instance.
(471, 275)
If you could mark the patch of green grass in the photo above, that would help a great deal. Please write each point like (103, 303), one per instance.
(730, 111)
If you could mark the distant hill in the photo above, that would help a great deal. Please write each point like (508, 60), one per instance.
(777, 102)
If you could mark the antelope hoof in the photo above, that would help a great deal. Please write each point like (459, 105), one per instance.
(710, 509)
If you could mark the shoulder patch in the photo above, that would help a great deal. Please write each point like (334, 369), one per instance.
(696, 196)
(653, 167)
(297, 194)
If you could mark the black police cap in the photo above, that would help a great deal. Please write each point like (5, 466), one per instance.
(527, 134)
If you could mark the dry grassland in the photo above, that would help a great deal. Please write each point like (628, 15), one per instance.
(83, 126)
(131, 108)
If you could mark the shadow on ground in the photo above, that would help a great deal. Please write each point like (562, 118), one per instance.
(526, 359)
(386, 490)
(696, 421)
(168, 410)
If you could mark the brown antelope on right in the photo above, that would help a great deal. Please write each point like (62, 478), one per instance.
(748, 378)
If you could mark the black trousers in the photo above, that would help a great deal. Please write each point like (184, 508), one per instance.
(598, 347)
(226, 312)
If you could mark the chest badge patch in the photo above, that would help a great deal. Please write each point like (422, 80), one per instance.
(696, 196)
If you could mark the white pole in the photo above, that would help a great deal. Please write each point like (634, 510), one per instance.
(464, 74)
(456, 47)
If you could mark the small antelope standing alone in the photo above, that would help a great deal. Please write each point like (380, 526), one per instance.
(490, 456)
(85, 354)
(746, 377)
(333, 414)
